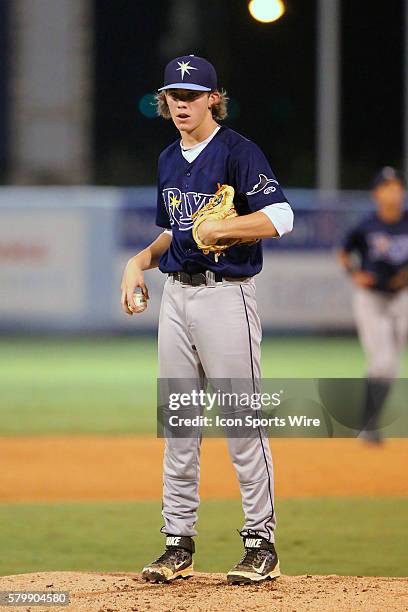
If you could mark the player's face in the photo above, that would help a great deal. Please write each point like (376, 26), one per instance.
(389, 198)
(188, 109)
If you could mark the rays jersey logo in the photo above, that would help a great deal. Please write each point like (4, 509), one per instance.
(262, 185)
(384, 247)
(180, 206)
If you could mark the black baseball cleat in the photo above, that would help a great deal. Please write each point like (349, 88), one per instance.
(260, 562)
(175, 562)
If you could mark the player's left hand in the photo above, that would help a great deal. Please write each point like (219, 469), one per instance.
(208, 231)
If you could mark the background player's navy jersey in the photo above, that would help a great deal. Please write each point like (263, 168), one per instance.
(184, 187)
(382, 247)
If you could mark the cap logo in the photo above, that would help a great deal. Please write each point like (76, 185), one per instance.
(185, 67)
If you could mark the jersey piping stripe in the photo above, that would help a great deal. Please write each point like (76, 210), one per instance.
(268, 519)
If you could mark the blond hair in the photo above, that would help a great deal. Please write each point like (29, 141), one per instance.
(219, 110)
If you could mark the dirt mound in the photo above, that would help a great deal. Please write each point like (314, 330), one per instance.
(107, 592)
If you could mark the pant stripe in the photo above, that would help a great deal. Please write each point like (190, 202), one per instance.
(270, 518)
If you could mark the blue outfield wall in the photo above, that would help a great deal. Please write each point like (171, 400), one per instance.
(320, 223)
(62, 252)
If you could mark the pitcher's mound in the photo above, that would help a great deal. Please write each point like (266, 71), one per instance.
(109, 592)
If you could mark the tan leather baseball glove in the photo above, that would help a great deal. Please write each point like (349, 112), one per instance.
(220, 207)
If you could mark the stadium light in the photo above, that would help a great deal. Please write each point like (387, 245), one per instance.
(266, 11)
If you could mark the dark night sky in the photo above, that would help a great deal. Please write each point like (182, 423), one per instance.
(259, 65)
(268, 69)
(372, 72)
(3, 87)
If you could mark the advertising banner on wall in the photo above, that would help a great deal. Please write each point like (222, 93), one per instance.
(63, 251)
(42, 271)
(56, 258)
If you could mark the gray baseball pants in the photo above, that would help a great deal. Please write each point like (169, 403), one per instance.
(213, 332)
(382, 325)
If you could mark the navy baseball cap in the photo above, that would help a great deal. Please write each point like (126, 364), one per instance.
(387, 174)
(190, 72)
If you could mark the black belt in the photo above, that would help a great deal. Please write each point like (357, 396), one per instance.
(200, 278)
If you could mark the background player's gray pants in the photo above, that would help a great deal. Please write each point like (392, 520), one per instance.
(213, 333)
(382, 325)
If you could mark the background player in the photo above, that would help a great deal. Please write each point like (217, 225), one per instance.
(380, 278)
(209, 327)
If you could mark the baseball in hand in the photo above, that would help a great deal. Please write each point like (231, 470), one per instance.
(140, 302)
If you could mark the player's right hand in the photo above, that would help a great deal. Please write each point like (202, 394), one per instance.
(132, 279)
(362, 278)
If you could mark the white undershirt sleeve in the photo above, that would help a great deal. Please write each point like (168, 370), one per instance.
(281, 216)
(169, 232)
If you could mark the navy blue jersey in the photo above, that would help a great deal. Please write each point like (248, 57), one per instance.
(184, 187)
(382, 247)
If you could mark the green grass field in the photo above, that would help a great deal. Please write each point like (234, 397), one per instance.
(95, 386)
(352, 536)
(109, 385)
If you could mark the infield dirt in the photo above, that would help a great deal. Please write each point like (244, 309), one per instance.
(76, 468)
(127, 592)
(116, 468)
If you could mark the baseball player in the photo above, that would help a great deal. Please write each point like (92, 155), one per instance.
(208, 326)
(380, 278)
